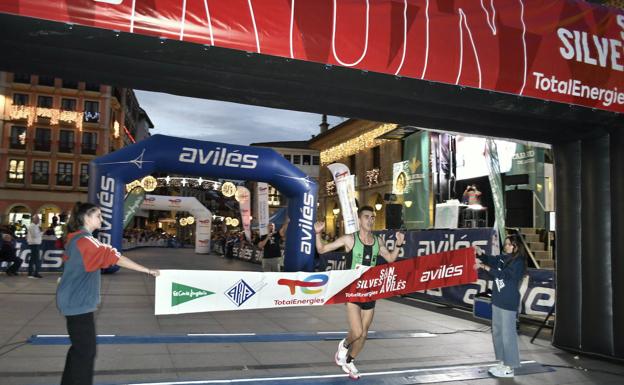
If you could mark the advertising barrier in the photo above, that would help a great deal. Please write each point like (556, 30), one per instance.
(537, 289)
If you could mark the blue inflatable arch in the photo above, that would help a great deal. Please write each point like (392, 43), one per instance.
(109, 175)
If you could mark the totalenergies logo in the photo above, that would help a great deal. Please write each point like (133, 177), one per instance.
(341, 174)
(316, 280)
(175, 201)
(149, 199)
(203, 241)
(204, 221)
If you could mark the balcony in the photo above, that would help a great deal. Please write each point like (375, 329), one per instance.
(40, 178)
(15, 177)
(64, 179)
(17, 145)
(66, 147)
(50, 116)
(91, 117)
(21, 112)
(43, 145)
(84, 180)
(89, 148)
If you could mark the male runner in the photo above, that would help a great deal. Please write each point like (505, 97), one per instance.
(363, 248)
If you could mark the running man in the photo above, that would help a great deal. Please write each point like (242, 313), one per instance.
(363, 248)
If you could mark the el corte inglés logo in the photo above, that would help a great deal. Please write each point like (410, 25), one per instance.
(182, 293)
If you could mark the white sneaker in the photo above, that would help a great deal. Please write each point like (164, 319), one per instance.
(341, 354)
(501, 371)
(351, 370)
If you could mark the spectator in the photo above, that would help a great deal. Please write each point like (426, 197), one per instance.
(7, 254)
(270, 245)
(33, 238)
(507, 270)
(78, 292)
(472, 196)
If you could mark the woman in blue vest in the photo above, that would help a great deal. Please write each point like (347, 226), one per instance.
(507, 269)
(362, 248)
(78, 293)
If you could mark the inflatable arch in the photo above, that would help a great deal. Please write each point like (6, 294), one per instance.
(109, 174)
(203, 216)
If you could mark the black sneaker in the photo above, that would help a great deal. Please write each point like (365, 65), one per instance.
(37, 276)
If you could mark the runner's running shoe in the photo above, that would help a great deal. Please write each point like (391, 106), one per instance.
(341, 353)
(351, 370)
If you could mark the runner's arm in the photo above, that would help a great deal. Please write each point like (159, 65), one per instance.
(391, 256)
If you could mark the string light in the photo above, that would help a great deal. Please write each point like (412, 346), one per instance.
(149, 183)
(354, 145)
(372, 177)
(330, 187)
(174, 181)
(228, 189)
(190, 220)
(30, 113)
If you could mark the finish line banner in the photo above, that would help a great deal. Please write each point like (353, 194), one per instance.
(195, 291)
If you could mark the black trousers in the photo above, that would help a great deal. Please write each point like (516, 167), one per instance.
(81, 355)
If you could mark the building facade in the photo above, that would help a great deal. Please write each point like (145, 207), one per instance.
(357, 144)
(50, 129)
(298, 153)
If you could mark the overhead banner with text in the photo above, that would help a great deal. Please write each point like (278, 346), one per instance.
(561, 50)
(194, 291)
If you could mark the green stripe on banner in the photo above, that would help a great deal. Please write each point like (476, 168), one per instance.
(182, 293)
(132, 203)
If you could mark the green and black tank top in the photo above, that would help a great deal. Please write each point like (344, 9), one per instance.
(362, 254)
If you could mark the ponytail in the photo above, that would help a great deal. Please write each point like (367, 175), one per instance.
(78, 214)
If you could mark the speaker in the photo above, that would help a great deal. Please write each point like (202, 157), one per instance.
(394, 216)
(511, 180)
(519, 204)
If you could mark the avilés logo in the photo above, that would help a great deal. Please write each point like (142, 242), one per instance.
(182, 293)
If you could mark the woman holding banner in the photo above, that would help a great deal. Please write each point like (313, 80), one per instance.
(507, 270)
(363, 248)
(78, 292)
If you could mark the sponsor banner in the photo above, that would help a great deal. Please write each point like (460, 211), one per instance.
(132, 203)
(244, 200)
(429, 271)
(193, 291)
(262, 194)
(418, 243)
(567, 51)
(537, 292)
(401, 176)
(416, 150)
(345, 188)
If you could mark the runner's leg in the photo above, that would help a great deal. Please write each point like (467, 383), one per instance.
(367, 320)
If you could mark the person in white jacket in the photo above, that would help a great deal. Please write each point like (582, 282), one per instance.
(33, 237)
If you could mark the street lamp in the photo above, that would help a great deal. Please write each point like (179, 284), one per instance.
(378, 203)
(336, 209)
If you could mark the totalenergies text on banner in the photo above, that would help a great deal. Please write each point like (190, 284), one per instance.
(561, 50)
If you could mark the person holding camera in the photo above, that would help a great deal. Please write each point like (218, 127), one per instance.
(507, 270)
(472, 196)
